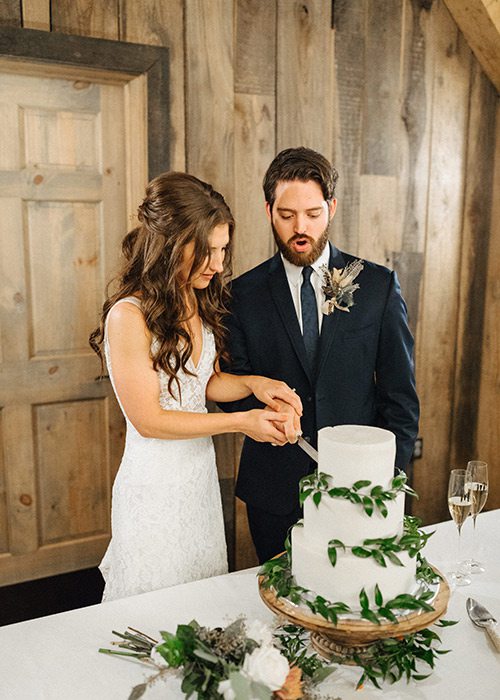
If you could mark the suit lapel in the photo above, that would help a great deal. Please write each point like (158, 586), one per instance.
(330, 322)
(280, 292)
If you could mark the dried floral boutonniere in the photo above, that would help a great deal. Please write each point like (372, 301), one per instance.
(338, 286)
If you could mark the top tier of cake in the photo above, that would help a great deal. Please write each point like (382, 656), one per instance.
(349, 453)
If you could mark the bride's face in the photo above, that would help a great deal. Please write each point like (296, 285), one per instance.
(213, 264)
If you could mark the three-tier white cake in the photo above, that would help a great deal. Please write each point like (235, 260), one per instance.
(349, 454)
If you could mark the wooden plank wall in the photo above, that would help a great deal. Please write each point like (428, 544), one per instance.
(388, 89)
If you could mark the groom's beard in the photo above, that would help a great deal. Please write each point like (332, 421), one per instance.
(301, 259)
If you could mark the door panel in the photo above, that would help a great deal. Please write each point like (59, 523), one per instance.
(62, 251)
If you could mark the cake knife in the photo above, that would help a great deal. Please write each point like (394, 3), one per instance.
(308, 449)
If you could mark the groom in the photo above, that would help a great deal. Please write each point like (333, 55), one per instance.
(348, 366)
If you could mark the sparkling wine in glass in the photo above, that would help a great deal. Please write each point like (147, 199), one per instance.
(459, 504)
(476, 481)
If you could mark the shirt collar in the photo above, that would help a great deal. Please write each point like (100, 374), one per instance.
(294, 272)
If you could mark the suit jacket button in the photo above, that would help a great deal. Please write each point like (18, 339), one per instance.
(309, 398)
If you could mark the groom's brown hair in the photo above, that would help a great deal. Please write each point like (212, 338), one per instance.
(300, 164)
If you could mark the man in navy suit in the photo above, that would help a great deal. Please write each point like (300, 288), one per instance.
(349, 366)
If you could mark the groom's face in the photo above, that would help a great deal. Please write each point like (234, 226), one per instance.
(299, 219)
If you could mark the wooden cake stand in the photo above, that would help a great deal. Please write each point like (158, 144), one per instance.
(350, 637)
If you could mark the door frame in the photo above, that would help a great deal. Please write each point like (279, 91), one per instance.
(122, 61)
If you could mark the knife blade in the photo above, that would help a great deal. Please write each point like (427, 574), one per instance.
(482, 617)
(308, 449)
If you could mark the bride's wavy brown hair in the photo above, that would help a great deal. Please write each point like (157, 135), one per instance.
(178, 209)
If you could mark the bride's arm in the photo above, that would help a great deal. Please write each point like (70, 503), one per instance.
(137, 387)
(224, 387)
(274, 394)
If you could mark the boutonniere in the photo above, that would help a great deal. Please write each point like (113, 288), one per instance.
(338, 286)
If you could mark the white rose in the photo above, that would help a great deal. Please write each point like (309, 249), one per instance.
(267, 666)
(260, 633)
(226, 690)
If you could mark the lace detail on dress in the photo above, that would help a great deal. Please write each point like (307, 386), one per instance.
(193, 388)
(166, 519)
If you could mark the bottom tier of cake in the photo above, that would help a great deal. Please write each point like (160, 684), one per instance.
(312, 569)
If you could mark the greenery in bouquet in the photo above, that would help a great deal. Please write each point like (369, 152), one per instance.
(239, 662)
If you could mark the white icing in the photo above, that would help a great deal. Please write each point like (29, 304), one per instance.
(343, 582)
(350, 453)
(336, 518)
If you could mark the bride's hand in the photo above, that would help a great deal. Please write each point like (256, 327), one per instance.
(290, 427)
(261, 425)
(270, 390)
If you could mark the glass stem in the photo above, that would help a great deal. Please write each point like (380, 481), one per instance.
(473, 535)
(459, 542)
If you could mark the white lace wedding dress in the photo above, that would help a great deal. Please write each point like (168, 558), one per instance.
(166, 516)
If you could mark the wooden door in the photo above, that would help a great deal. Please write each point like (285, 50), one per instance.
(63, 198)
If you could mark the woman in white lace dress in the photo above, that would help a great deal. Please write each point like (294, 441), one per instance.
(162, 334)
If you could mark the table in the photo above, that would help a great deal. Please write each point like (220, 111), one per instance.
(56, 657)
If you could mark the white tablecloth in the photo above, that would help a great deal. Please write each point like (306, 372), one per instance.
(56, 657)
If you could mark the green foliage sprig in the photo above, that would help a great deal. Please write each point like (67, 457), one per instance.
(396, 658)
(277, 574)
(425, 572)
(294, 644)
(318, 484)
(412, 541)
(330, 611)
(402, 602)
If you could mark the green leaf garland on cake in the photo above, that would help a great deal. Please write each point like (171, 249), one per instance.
(317, 485)
(412, 541)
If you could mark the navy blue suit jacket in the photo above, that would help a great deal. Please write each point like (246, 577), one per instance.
(364, 371)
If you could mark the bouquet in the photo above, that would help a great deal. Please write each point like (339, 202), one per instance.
(239, 662)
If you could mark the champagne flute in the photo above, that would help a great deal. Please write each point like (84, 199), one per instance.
(476, 482)
(459, 504)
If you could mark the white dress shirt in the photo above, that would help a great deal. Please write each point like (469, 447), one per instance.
(294, 277)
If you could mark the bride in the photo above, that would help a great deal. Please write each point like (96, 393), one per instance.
(162, 334)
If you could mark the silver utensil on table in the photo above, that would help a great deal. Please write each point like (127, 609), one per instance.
(308, 449)
(481, 617)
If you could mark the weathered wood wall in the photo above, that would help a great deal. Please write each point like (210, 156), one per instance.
(388, 89)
